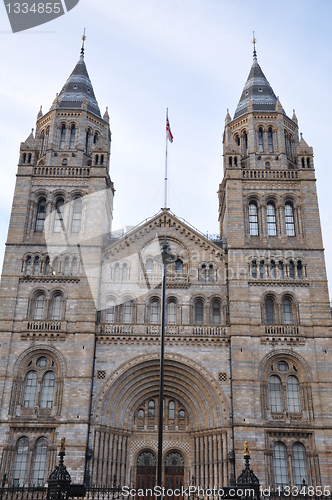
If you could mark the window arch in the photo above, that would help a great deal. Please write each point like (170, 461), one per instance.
(302, 161)
(47, 266)
(299, 270)
(55, 265)
(293, 394)
(38, 309)
(171, 409)
(21, 462)
(269, 311)
(74, 267)
(36, 266)
(308, 162)
(56, 311)
(117, 272)
(291, 270)
(253, 219)
(171, 312)
(178, 266)
(38, 471)
(149, 265)
(155, 311)
(273, 269)
(127, 311)
(41, 214)
(275, 394)
(28, 265)
(271, 219)
(289, 219)
(87, 140)
(66, 267)
(47, 390)
(124, 273)
(203, 274)
(211, 274)
(101, 159)
(30, 390)
(270, 139)
(254, 269)
(262, 269)
(216, 312)
(199, 312)
(281, 477)
(281, 270)
(72, 136)
(287, 311)
(58, 219)
(151, 409)
(299, 465)
(110, 312)
(77, 216)
(260, 139)
(245, 140)
(62, 135)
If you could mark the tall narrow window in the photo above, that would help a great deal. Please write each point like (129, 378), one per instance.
(254, 269)
(66, 267)
(203, 274)
(117, 272)
(211, 274)
(299, 463)
(151, 409)
(253, 219)
(57, 307)
(30, 390)
(74, 267)
(87, 140)
(58, 219)
(62, 135)
(47, 266)
(270, 139)
(275, 394)
(28, 266)
(110, 312)
(72, 137)
(127, 312)
(280, 465)
(41, 214)
(77, 216)
(287, 311)
(55, 265)
(36, 266)
(38, 471)
(271, 219)
(299, 270)
(281, 270)
(289, 220)
(293, 394)
(291, 270)
(21, 462)
(308, 162)
(178, 266)
(95, 138)
(269, 311)
(216, 315)
(38, 312)
(149, 265)
(302, 162)
(260, 139)
(101, 159)
(47, 390)
(171, 312)
(124, 273)
(199, 312)
(273, 269)
(171, 409)
(154, 311)
(262, 269)
(245, 141)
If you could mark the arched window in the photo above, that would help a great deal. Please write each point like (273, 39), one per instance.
(245, 140)
(289, 219)
(171, 409)
(199, 312)
(41, 214)
(151, 409)
(56, 307)
(47, 266)
(38, 311)
(149, 265)
(182, 414)
(28, 266)
(62, 135)
(72, 137)
(271, 219)
(65, 162)
(127, 309)
(275, 394)
(47, 390)
(230, 161)
(203, 274)
(253, 219)
(140, 413)
(95, 138)
(66, 267)
(216, 314)
(235, 161)
(58, 219)
(254, 269)
(124, 272)
(171, 312)
(260, 139)
(280, 270)
(154, 311)
(273, 269)
(74, 267)
(21, 462)
(287, 312)
(178, 266)
(29, 158)
(299, 270)
(77, 216)
(280, 465)
(30, 390)
(55, 265)
(269, 311)
(101, 159)
(270, 139)
(36, 266)
(87, 140)
(299, 465)
(293, 394)
(211, 274)
(237, 139)
(96, 159)
(308, 162)
(291, 270)
(38, 471)
(24, 157)
(117, 272)
(262, 270)
(302, 161)
(110, 312)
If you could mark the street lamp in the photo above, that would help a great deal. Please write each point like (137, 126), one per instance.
(167, 258)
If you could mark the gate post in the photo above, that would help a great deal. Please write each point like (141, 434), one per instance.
(247, 479)
(59, 480)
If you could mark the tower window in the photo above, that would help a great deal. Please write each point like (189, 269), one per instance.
(289, 220)
(275, 394)
(154, 312)
(260, 139)
(30, 390)
(287, 311)
(39, 304)
(36, 266)
(124, 272)
(24, 156)
(299, 465)
(262, 270)
(66, 267)
(62, 135)
(273, 269)
(211, 274)
(299, 270)
(77, 216)
(203, 274)
(230, 161)
(38, 471)
(47, 266)
(245, 140)
(21, 462)
(178, 266)
(41, 214)
(269, 311)
(87, 141)
(281, 270)
(58, 220)
(101, 159)
(271, 220)
(270, 139)
(72, 137)
(57, 307)
(308, 162)
(29, 158)
(110, 312)
(199, 312)
(302, 161)
(127, 312)
(254, 269)
(28, 266)
(74, 267)
(171, 312)
(96, 159)
(280, 465)
(253, 219)
(293, 394)
(291, 270)
(216, 316)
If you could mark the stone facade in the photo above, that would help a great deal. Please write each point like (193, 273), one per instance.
(248, 322)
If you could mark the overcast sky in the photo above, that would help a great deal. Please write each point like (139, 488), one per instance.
(190, 56)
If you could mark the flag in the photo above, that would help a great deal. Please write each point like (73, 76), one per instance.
(169, 134)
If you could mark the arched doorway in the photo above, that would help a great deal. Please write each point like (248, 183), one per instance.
(146, 470)
(174, 471)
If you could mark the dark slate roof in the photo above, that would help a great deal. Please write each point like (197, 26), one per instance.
(259, 90)
(76, 87)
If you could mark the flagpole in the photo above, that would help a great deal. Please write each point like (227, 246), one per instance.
(165, 200)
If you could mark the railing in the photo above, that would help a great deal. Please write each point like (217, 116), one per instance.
(170, 330)
(281, 330)
(172, 279)
(45, 325)
(270, 174)
(63, 171)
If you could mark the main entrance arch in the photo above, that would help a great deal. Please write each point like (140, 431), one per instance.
(174, 471)
(146, 470)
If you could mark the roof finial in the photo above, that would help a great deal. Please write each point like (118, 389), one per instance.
(254, 42)
(83, 40)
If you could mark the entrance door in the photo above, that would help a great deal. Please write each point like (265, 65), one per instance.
(146, 472)
(174, 472)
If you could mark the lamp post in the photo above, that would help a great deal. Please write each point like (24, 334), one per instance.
(167, 258)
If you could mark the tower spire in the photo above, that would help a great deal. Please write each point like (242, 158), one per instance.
(82, 48)
(254, 40)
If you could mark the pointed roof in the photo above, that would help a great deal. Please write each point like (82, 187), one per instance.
(77, 87)
(258, 89)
